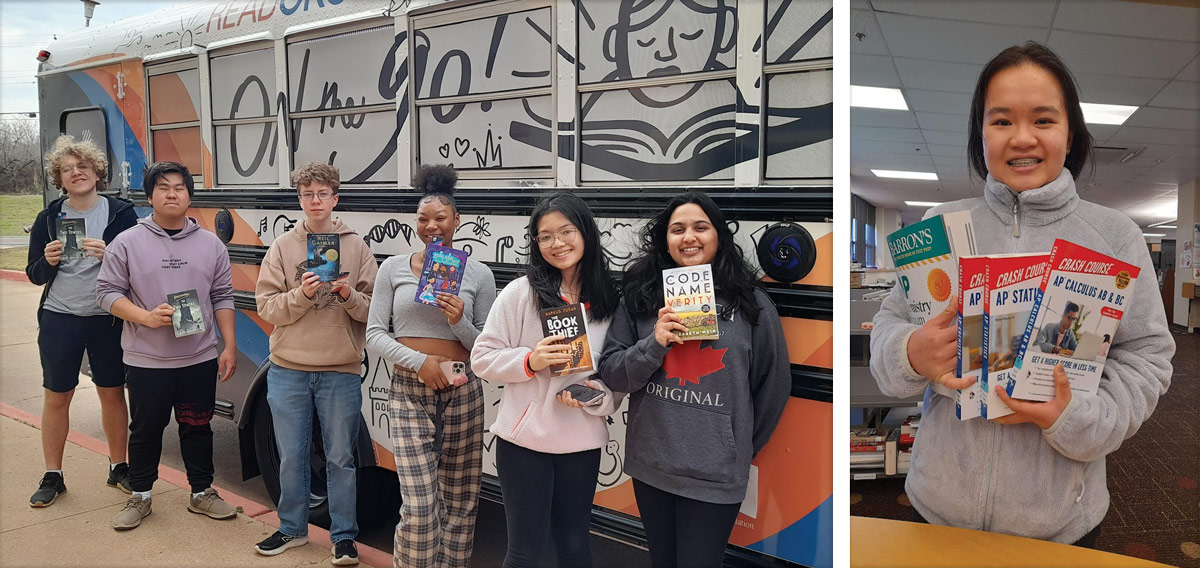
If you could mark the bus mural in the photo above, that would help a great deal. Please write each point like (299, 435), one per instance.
(623, 102)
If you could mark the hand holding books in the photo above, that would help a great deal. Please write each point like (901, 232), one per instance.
(159, 316)
(1044, 414)
(666, 326)
(309, 283)
(550, 351)
(933, 348)
(53, 252)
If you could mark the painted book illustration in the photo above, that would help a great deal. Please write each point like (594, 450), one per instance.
(324, 250)
(188, 318)
(1082, 297)
(971, 271)
(570, 322)
(442, 273)
(1012, 284)
(926, 257)
(690, 291)
(71, 233)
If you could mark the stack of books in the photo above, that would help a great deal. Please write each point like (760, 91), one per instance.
(867, 447)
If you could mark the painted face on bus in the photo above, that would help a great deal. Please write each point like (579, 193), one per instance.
(653, 39)
(691, 237)
(317, 200)
(436, 219)
(559, 241)
(77, 177)
(170, 198)
(1025, 130)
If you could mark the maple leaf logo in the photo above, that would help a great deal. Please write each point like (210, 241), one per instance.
(688, 362)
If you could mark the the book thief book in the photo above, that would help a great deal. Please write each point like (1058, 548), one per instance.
(324, 250)
(188, 318)
(570, 322)
(690, 291)
(71, 233)
(442, 273)
(1081, 300)
(1012, 285)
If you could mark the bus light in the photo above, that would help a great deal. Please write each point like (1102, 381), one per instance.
(43, 55)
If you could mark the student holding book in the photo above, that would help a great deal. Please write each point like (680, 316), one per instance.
(1029, 142)
(69, 321)
(437, 428)
(316, 356)
(699, 411)
(547, 443)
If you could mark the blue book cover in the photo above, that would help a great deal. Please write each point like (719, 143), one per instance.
(442, 273)
(323, 252)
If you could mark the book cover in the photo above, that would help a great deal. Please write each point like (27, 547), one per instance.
(442, 273)
(1082, 297)
(71, 233)
(571, 323)
(188, 318)
(1012, 283)
(324, 249)
(926, 257)
(690, 291)
(971, 272)
(867, 435)
(891, 452)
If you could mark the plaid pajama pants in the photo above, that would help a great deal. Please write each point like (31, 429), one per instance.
(438, 440)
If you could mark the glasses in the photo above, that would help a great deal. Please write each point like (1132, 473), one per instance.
(81, 168)
(566, 236)
(324, 195)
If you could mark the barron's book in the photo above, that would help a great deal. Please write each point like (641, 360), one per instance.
(690, 291)
(442, 273)
(1012, 284)
(71, 233)
(971, 272)
(324, 250)
(188, 318)
(570, 322)
(1081, 300)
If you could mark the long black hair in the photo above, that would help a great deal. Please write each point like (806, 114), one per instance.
(436, 182)
(597, 287)
(733, 276)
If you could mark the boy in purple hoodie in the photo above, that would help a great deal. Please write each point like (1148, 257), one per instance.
(146, 269)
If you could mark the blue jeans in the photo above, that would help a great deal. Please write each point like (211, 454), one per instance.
(337, 398)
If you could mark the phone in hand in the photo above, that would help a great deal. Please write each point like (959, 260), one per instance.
(586, 396)
(455, 372)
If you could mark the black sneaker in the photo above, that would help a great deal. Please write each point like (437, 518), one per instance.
(118, 478)
(278, 543)
(51, 487)
(345, 553)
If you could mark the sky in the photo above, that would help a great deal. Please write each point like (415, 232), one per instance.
(27, 27)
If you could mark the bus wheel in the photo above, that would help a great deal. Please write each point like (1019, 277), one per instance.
(267, 453)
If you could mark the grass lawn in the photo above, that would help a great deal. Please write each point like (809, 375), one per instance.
(17, 211)
(14, 258)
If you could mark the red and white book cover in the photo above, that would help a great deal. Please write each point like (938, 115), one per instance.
(1013, 282)
(1081, 300)
(971, 273)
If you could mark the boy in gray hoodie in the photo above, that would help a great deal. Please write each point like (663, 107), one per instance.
(163, 255)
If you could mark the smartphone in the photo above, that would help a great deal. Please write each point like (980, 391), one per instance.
(586, 396)
(455, 372)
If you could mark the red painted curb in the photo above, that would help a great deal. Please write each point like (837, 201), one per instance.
(367, 555)
(14, 275)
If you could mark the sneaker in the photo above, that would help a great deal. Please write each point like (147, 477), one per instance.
(345, 553)
(131, 516)
(278, 543)
(118, 478)
(211, 504)
(48, 490)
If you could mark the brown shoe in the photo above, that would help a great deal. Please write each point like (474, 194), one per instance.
(131, 516)
(211, 504)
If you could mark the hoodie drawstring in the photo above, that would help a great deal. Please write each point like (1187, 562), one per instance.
(1017, 218)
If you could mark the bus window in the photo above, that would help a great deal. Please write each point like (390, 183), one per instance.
(87, 124)
(245, 133)
(799, 87)
(174, 124)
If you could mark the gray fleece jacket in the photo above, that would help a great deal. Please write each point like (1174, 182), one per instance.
(1047, 484)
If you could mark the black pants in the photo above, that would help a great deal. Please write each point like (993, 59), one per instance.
(681, 531)
(547, 494)
(1088, 540)
(191, 391)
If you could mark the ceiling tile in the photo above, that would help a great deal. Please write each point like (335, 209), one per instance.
(886, 134)
(948, 122)
(921, 100)
(936, 75)
(890, 147)
(1102, 132)
(892, 161)
(865, 37)
(1136, 57)
(1152, 117)
(1139, 19)
(873, 71)
(963, 42)
(948, 151)
(1179, 94)
(1155, 136)
(945, 138)
(948, 161)
(1170, 151)
(1115, 90)
(1191, 71)
(1014, 12)
(882, 118)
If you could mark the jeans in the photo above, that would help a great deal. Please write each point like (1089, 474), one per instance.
(337, 399)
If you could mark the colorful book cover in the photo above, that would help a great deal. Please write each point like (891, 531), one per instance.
(442, 273)
(926, 257)
(71, 233)
(324, 250)
(690, 291)
(188, 318)
(1012, 284)
(971, 272)
(570, 322)
(1081, 300)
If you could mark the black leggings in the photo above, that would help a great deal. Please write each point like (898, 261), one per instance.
(547, 494)
(681, 531)
(1088, 540)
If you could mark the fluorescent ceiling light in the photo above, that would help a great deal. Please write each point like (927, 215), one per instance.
(1154, 234)
(922, 203)
(877, 97)
(1106, 114)
(904, 175)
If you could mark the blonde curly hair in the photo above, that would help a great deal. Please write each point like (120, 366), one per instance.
(316, 172)
(84, 151)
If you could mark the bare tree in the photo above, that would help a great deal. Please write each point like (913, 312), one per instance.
(20, 156)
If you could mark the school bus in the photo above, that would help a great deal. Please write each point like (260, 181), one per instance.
(623, 102)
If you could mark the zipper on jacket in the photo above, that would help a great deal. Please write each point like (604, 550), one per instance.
(988, 500)
(1016, 218)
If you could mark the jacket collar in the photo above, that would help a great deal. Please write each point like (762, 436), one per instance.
(1039, 206)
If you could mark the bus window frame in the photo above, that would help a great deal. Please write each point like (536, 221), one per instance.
(210, 129)
(186, 62)
(62, 129)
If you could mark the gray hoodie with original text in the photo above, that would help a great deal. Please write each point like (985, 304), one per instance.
(1020, 479)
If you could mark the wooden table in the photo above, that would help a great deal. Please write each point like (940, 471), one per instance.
(885, 543)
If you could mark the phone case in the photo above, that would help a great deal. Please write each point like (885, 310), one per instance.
(586, 396)
(455, 372)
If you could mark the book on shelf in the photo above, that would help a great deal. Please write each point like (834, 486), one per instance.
(910, 425)
(926, 257)
(441, 273)
(866, 460)
(691, 292)
(890, 451)
(1012, 283)
(324, 253)
(188, 318)
(872, 435)
(971, 274)
(570, 322)
(1080, 302)
(71, 233)
(871, 448)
